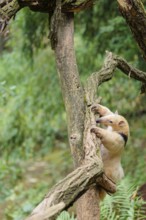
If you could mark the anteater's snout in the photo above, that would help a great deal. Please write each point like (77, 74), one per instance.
(98, 121)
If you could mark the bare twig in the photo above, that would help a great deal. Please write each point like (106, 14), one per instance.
(129, 70)
(106, 73)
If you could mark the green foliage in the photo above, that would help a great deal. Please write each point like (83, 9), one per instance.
(26, 182)
(104, 28)
(30, 98)
(134, 158)
(121, 206)
(66, 216)
(33, 28)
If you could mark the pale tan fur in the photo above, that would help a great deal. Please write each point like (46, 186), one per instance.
(112, 142)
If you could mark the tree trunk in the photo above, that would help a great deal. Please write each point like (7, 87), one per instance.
(88, 205)
(71, 86)
(75, 107)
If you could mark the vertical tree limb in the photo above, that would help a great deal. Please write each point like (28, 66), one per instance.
(70, 83)
(75, 107)
(89, 208)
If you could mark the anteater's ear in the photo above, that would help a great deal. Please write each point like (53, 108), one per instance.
(116, 112)
(121, 123)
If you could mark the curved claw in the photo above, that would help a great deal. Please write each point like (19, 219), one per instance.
(95, 108)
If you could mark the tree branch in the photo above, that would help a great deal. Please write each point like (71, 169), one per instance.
(129, 70)
(71, 86)
(106, 73)
(97, 78)
(8, 9)
(135, 16)
(63, 194)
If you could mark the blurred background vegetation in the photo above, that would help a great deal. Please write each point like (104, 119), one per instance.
(34, 151)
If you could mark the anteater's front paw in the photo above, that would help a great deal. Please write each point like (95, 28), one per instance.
(93, 129)
(95, 108)
(96, 131)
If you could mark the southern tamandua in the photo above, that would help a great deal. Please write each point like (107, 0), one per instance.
(113, 138)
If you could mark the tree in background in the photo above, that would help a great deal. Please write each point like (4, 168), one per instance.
(78, 100)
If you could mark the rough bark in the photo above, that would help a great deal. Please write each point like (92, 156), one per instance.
(8, 9)
(63, 194)
(68, 190)
(135, 16)
(71, 86)
(75, 107)
(88, 204)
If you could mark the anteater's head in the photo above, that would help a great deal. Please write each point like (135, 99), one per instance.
(117, 122)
